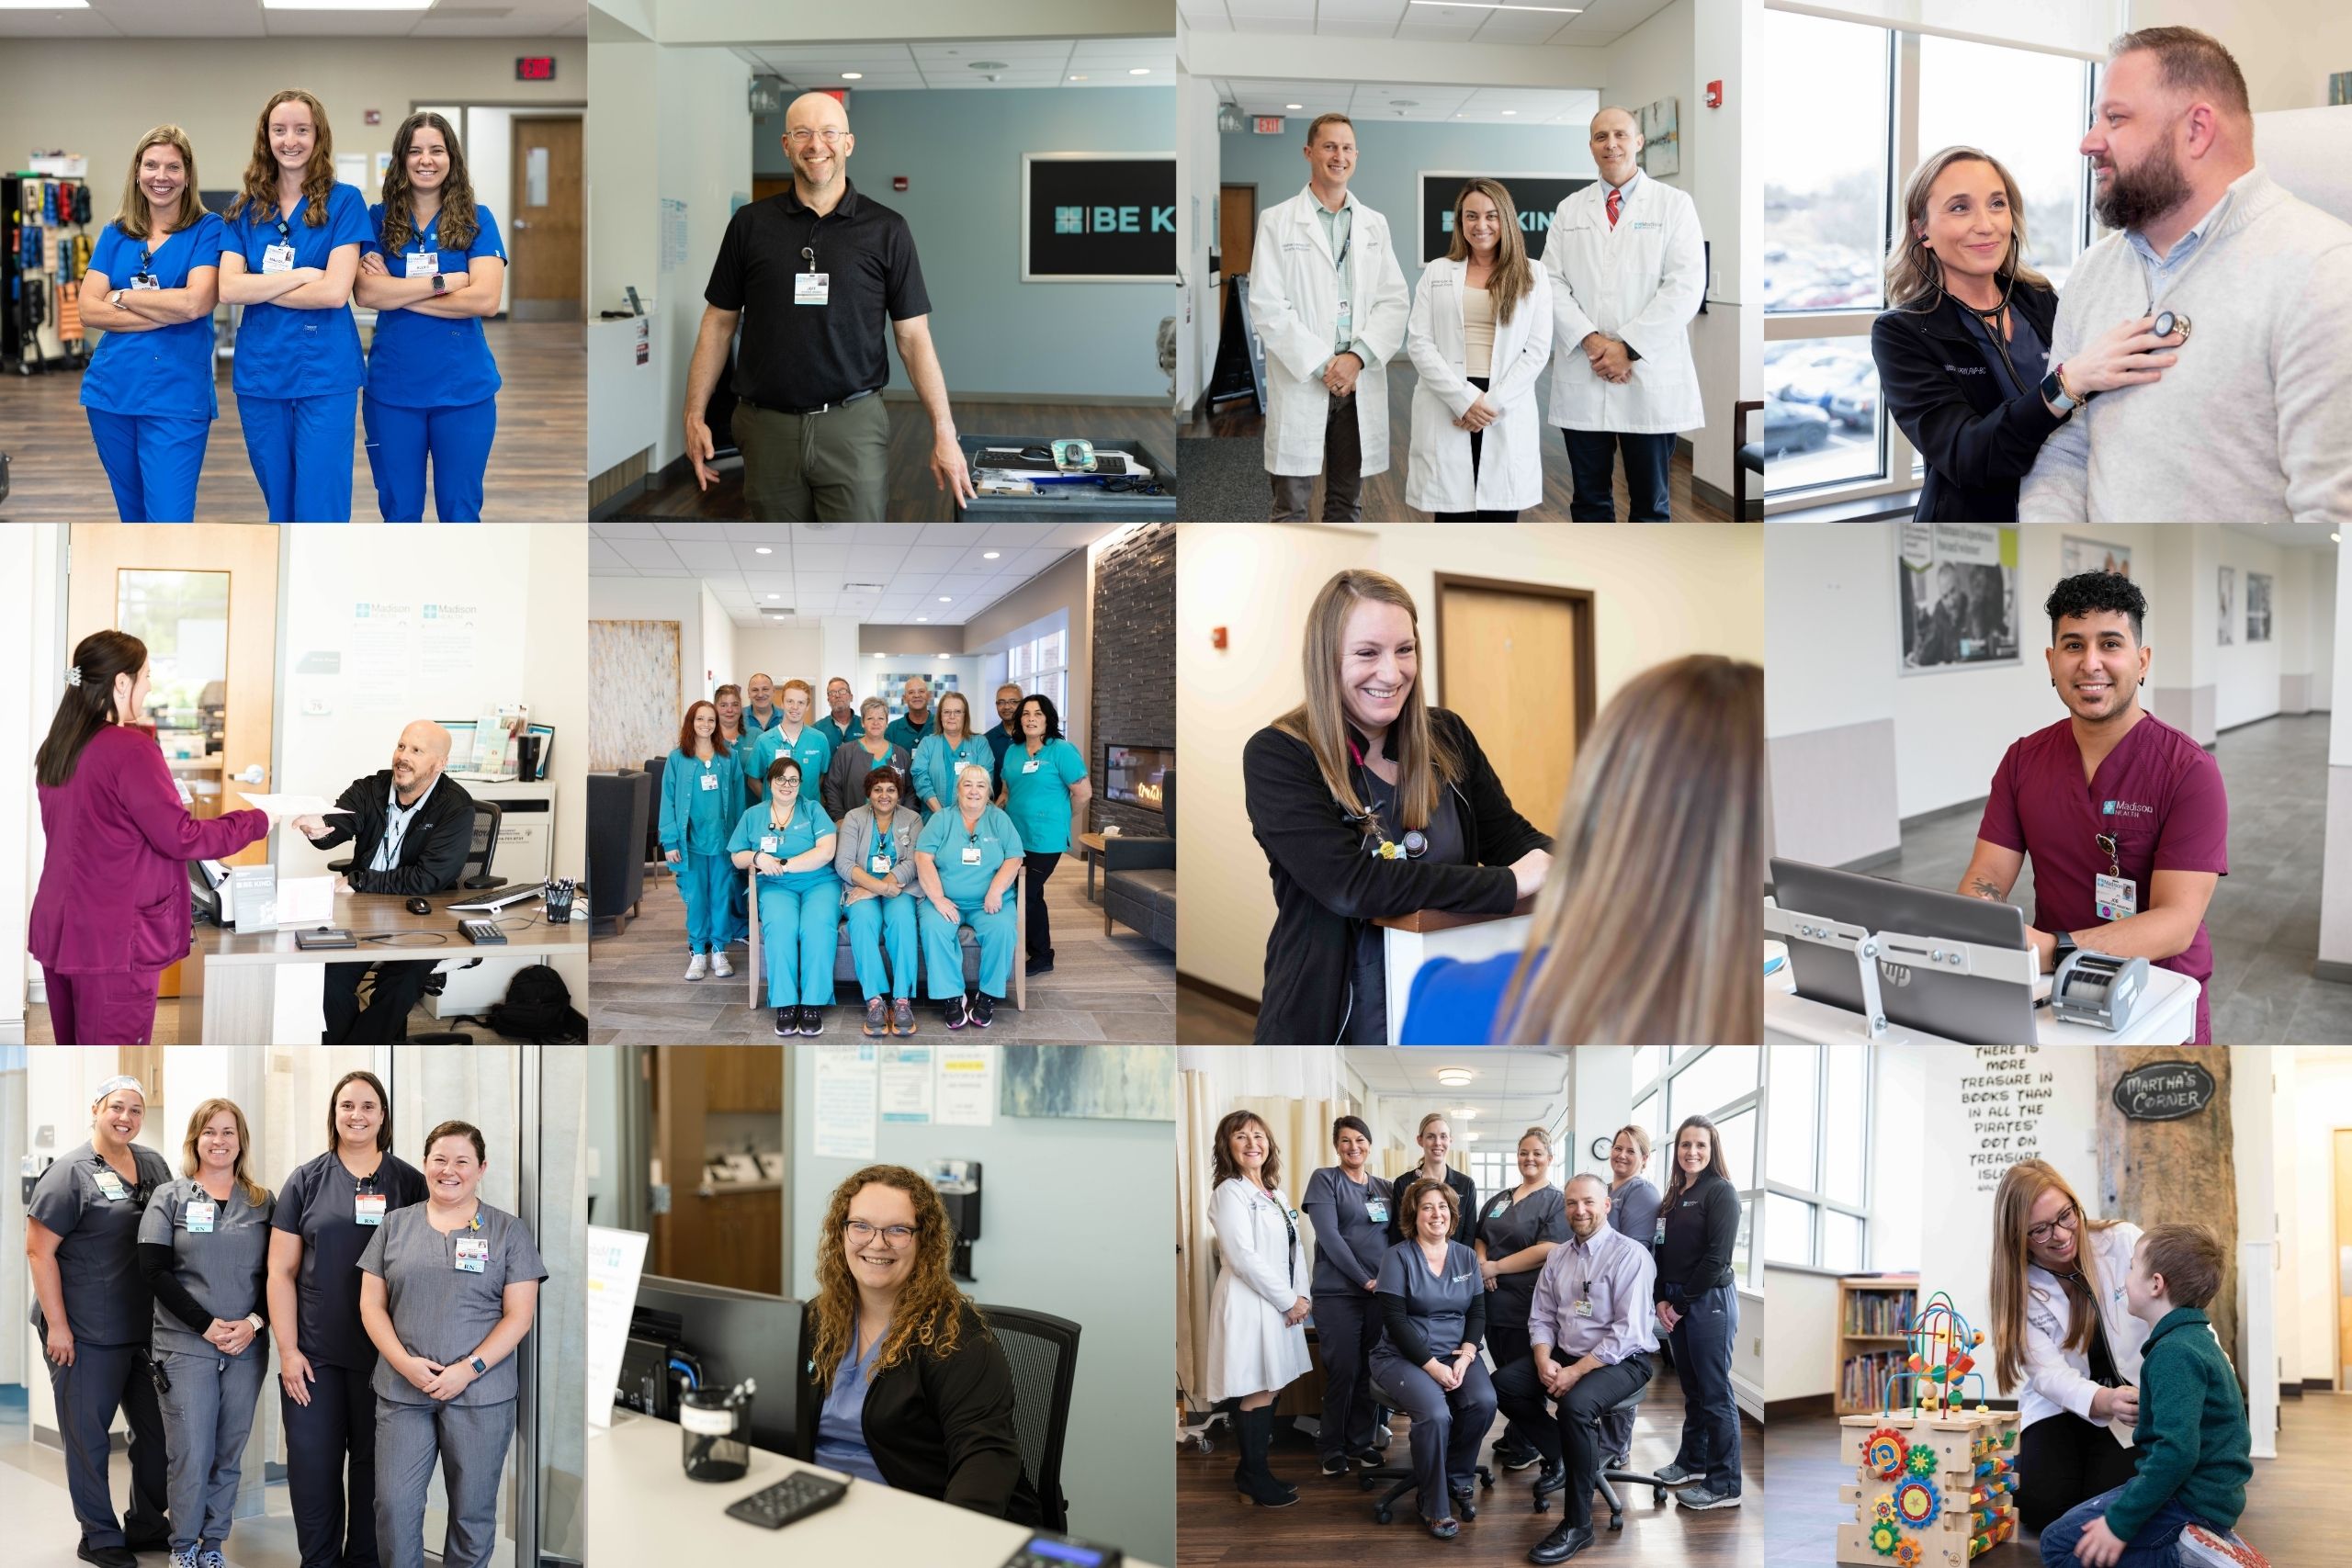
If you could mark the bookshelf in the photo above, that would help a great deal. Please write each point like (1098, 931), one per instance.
(1873, 1311)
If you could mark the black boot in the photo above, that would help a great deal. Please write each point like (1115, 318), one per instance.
(1251, 1478)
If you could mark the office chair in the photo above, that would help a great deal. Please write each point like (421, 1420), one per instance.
(1043, 1351)
(1607, 1475)
(485, 846)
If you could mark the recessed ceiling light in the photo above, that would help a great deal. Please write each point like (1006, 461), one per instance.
(1467, 1112)
(990, 555)
(943, 656)
(881, 655)
(852, 75)
(945, 600)
(1078, 76)
(762, 550)
(922, 617)
(1138, 70)
(1294, 106)
(775, 595)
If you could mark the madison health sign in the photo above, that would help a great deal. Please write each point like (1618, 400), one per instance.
(1098, 218)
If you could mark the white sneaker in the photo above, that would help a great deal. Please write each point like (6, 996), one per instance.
(2201, 1546)
(719, 966)
(698, 967)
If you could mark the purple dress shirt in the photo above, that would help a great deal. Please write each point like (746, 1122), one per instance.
(1613, 1273)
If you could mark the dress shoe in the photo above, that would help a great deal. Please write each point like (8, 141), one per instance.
(1561, 1544)
(107, 1556)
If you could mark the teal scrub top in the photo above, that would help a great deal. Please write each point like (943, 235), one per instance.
(798, 837)
(699, 802)
(945, 839)
(903, 733)
(283, 351)
(936, 764)
(416, 361)
(167, 373)
(1036, 791)
(763, 747)
(840, 735)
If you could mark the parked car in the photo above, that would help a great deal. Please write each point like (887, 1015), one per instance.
(1791, 428)
(1855, 407)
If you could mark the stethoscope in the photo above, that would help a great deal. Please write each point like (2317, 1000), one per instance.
(1415, 844)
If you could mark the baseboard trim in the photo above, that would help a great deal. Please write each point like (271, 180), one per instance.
(1212, 992)
(1799, 1409)
(1720, 499)
(1941, 813)
(2338, 973)
(1872, 861)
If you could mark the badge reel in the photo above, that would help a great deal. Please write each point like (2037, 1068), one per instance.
(877, 864)
(811, 288)
(2116, 896)
(279, 258)
(1415, 845)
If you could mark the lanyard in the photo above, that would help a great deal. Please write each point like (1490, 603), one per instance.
(419, 233)
(397, 818)
(2106, 846)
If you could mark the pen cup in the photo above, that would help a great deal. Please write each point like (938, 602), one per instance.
(716, 1429)
(559, 901)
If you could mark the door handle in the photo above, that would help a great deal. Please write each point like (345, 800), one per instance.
(522, 223)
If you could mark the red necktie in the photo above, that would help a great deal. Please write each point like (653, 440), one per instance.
(1616, 200)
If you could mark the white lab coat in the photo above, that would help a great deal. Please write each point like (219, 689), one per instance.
(1294, 309)
(2058, 1379)
(1641, 282)
(1249, 1346)
(1511, 459)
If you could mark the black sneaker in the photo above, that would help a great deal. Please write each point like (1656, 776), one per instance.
(982, 1008)
(812, 1021)
(788, 1021)
(1037, 966)
(1334, 1464)
(902, 1016)
(878, 1019)
(107, 1556)
(952, 1011)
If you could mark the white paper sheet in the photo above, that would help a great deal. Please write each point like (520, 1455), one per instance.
(306, 900)
(846, 1093)
(966, 1086)
(293, 805)
(906, 1084)
(616, 1260)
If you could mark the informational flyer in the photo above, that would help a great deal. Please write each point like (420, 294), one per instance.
(615, 1261)
(847, 1089)
(381, 651)
(906, 1084)
(966, 1086)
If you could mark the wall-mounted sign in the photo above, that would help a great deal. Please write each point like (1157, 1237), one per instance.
(1098, 218)
(1536, 196)
(1266, 125)
(535, 68)
(2164, 1091)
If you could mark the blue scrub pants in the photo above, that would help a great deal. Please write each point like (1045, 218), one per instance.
(703, 882)
(1346, 1326)
(1702, 1340)
(301, 450)
(943, 948)
(335, 1520)
(1592, 461)
(456, 439)
(878, 923)
(208, 1416)
(102, 1379)
(152, 464)
(2154, 1547)
(1448, 1425)
(800, 929)
(470, 1441)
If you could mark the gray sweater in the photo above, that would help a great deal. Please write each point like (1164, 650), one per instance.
(2255, 423)
(854, 840)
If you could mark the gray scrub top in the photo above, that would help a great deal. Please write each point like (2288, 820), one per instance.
(441, 1312)
(319, 1203)
(1350, 1229)
(1633, 1211)
(1441, 1304)
(107, 1300)
(225, 1270)
(1507, 1227)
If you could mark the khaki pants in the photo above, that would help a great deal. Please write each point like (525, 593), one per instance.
(1343, 472)
(816, 467)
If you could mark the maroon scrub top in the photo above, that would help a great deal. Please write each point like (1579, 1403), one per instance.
(2158, 793)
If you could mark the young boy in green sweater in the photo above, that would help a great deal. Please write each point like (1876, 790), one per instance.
(2192, 1438)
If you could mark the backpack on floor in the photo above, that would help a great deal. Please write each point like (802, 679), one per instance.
(539, 1010)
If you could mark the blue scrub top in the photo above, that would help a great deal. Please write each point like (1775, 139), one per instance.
(762, 748)
(165, 374)
(945, 839)
(1037, 797)
(838, 735)
(282, 351)
(796, 836)
(936, 764)
(417, 361)
(840, 1424)
(902, 732)
(698, 817)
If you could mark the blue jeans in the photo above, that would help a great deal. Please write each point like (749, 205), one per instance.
(1592, 458)
(1702, 1340)
(2152, 1547)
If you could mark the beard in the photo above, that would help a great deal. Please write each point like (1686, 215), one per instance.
(2134, 198)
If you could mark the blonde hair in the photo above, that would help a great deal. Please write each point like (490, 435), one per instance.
(1538, 1134)
(1641, 1138)
(1667, 801)
(255, 1193)
(2022, 1186)
(260, 190)
(1424, 763)
(132, 217)
(1513, 274)
(1432, 1116)
(1912, 270)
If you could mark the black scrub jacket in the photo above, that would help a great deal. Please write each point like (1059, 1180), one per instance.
(1325, 883)
(1938, 382)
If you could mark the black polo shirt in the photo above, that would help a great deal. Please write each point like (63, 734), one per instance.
(800, 356)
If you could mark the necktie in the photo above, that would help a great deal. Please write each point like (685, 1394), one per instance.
(1616, 201)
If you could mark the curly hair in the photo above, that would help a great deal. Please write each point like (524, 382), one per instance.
(2090, 593)
(259, 191)
(458, 219)
(928, 1311)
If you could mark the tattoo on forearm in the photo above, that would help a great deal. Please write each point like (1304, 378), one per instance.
(1984, 887)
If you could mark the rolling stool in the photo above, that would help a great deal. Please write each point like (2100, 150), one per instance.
(1606, 1475)
(1401, 1481)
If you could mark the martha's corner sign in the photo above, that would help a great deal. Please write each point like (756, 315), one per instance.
(2164, 1091)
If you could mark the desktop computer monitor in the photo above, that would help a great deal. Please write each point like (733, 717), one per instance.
(1974, 1010)
(737, 1335)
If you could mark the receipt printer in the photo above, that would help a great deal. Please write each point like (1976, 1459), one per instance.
(2097, 989)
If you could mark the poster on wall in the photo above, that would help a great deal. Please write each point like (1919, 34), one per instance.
(1537, 197)
(2080, 554)
(1958, 587)
(2227, 632)
(1098, 218)
(2258, 606)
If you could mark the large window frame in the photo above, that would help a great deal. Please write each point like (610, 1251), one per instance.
(1817, 1200)
(1900, 468)
(1750, 1266)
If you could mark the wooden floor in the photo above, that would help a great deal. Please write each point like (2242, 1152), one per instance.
(914, 496)
(1384, 494)
(170, 1029)
(2294, 1505)
(537, 467)
(1120, 987)
(1333, 1523)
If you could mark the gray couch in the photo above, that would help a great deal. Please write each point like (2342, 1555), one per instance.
(1139, 878)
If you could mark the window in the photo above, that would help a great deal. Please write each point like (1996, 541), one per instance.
(1040, 667)
(2038, 102)
(1826, 197)
(1817, 1153)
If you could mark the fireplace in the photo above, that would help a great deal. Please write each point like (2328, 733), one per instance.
(1132, 775)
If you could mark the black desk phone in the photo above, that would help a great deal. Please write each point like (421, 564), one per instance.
(1046, 1550)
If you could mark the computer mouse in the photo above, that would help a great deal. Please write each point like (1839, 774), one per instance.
(419, 907)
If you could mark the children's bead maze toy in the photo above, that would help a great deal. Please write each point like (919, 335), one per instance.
(1935, 1478)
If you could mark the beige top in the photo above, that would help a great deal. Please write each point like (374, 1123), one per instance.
(1478, 332)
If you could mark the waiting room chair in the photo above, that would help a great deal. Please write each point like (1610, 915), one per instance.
(755, 969)
(1747, 458)
(1607, 1475)
(1043, 1351)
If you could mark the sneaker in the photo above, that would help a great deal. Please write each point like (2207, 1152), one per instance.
(113, 1556)
(1617, 1461)
(787, 1022)
(719, 966)
(982, 1008)
(2206, 1547)
(877, 1018)
(698, 967)
(902, 1016)
(211, 1559)
(1675, 1476)
(1699, 1497)
(812, 1021)
(184, 1559)
(952, 1011)
(1334, 1464)
(1036, 967)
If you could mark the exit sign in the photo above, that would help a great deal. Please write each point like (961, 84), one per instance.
(535, 68)
(1268, 125)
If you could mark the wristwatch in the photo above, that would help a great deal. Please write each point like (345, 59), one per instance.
(479, 1366)
(2063, 944)
(440, 283)
(2054, 393)
(255, 1319)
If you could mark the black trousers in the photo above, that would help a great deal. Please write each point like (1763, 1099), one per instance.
(385, 1018)
(1478, 444)
(335, 1519)
(105, 1378)
(1571, 1434)
(1040, 933)
(2063, 1460)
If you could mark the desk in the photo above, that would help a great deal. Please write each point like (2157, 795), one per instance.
(1411, 940)
(1091, 845)
(641, 1509)
(2167, 1016)
(230, 978)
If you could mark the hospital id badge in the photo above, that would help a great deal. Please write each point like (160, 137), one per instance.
(200, 1213)
(767, 843)
(110, 1187)
(278, 258)
(709, 782)
(971, 854)
(422, 264)
(369, 1210)
(139, 280)
(878, 864)
(1376, 1209)
(1030, 766)
(1583, 1308)
(473, 1253)
(811, 288)
(2118, 897)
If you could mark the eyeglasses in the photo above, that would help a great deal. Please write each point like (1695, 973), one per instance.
(831, 136)
(2065, 1221)
(897, 1235)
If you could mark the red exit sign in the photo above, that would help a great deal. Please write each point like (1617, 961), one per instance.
(1268, 125)
(535, 68)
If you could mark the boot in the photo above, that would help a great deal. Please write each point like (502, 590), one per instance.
(1251, 1478)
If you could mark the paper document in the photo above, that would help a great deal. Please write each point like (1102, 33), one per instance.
(306, 900)
(294, 805)
(616, 1260)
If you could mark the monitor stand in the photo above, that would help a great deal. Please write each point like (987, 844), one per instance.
(1941, 956)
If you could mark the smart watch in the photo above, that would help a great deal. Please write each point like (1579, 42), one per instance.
(440, 283)
(479, 1366)
(2055, 393)
(2064, 945)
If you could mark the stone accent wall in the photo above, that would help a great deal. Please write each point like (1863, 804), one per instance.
(1135, 663)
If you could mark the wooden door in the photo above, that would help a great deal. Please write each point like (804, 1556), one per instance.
(766, 186)
(546, 261)
(1516, 662)
(1237, 232)
(679, 1092)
